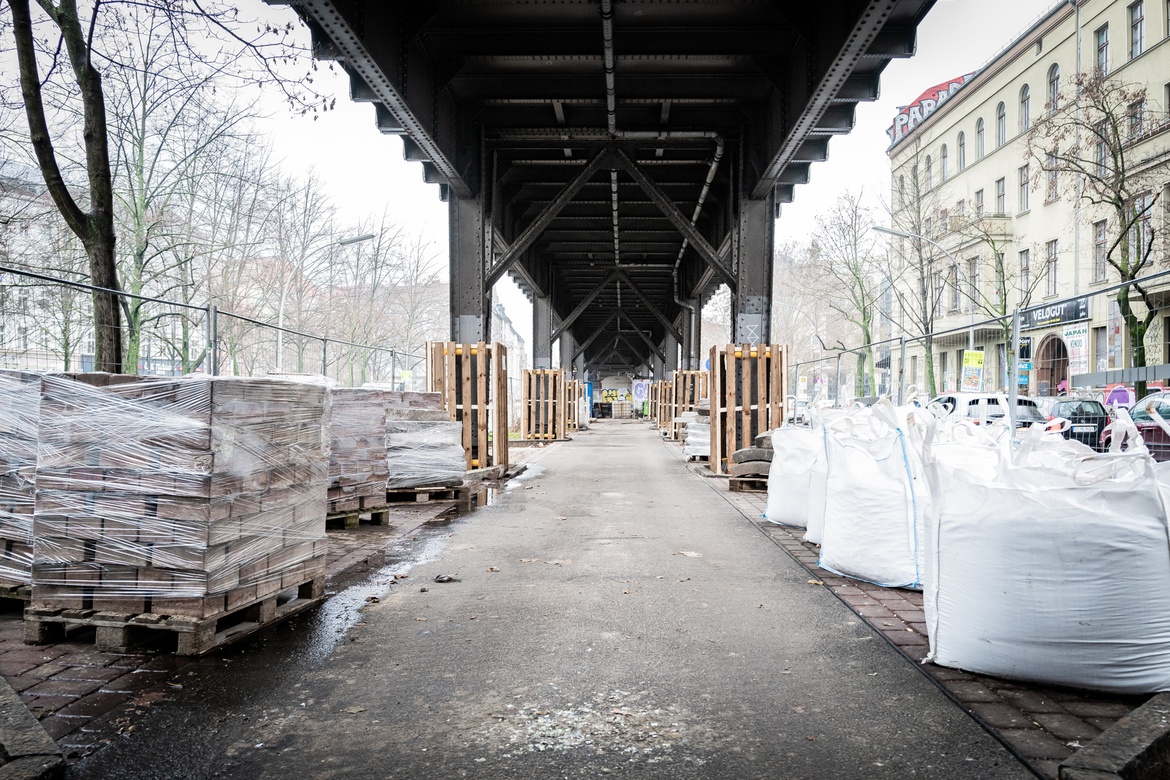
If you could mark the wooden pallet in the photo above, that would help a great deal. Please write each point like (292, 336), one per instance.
(472, 380)
(20, 593)
(697, 458)
(685, 390)
(428, 495)
(749, 383)
(196, 636)
(545, 406)
(748, 484)
(353, 518)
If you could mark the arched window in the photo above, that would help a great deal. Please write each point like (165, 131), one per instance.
(942, 163)
(929, 174)
(901, 190)
(962, 152)
(1053, 88)
(979, 145)
(1025, 108)
(1000, 125)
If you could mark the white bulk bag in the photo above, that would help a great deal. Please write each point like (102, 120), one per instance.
(795, 455)
(872, 518)
(1054, 570)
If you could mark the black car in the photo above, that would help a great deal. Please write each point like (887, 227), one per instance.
(1088, 417)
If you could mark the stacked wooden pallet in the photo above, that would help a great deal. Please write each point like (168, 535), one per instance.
(188, 498)
(358, 467)
(473, 382)
(20, 396)
(748, 388)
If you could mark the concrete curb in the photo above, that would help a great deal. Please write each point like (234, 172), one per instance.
(1137, 747)
(31, 753)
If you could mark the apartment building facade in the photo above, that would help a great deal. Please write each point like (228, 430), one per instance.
(986, 190)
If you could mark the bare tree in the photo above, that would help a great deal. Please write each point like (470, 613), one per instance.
(198, 32)
(1095, 135)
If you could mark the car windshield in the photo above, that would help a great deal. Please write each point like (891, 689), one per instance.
(1026, 411)
(1079, 409)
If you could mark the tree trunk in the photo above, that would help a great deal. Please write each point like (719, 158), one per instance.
(928, 356)
(1136, 329)
(107, 320)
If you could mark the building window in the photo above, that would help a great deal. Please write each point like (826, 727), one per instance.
(961, 148)
(979, 146)
(961, 208)
(1000, 196)
(1101, 41)
(1099, 251)
(1137, 119)
(936, 302)
(1025, 272)
(929, 174)
(1025, 108)
(1000, 125)
(978, 203)
(956, 292)
(1053, 88)
(1023, 172)
(942, 163)
(972, 283)
(1052, 192)
(1050, 267)
(1141, 229)
(1137, 29)
(1101, 148)
(902, 191)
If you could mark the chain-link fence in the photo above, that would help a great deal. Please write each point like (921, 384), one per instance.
(47, 324)
(1082, 344)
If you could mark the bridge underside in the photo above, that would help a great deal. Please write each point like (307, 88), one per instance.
(620, 160)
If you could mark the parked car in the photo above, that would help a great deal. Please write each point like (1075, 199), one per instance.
(1088, 416)
(798, 413)
(1154, 435)
(980, 406)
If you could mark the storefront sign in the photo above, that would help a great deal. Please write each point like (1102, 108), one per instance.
(909, 117)
(1055, 314)
(1076, 338)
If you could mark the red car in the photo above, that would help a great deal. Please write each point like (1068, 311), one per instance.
(1156, 437)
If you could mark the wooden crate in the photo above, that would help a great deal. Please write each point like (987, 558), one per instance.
(687, 388)
(577, 417)
(663, 417)
(472, 380)
(544, 411)
(748, 388)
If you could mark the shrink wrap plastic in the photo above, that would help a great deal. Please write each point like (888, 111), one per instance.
(357, 461)
(175, 490)
(698, 439)
(424, 453)
(20, 397)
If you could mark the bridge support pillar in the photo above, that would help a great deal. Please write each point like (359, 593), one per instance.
(752, 305)
(542, 329)
(568, 347)
(670, 347)
(470, 319)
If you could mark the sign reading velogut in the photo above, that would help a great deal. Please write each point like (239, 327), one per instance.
(912, 115)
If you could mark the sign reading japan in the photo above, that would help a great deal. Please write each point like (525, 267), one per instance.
(1042, 316)
(911, 116)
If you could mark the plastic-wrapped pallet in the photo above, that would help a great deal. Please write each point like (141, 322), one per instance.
(698, 442)
(20, 396)
(1050, 569)
(189, 497)
(424, 448)
(358, 468)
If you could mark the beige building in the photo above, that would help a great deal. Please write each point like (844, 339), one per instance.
(983, 167)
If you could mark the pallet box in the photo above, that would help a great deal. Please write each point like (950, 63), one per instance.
(472, 380)
(748, 387)
(545, 405)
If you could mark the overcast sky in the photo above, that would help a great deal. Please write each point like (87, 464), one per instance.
(363, 170)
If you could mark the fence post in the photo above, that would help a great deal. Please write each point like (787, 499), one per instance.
(324, 357)
(1014, 367)
(837, 382)
(393, 361)
(213, 339)
(902, 371)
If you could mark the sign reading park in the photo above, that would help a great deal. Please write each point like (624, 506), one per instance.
(910, 116)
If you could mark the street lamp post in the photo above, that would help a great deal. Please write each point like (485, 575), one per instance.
(288, 281)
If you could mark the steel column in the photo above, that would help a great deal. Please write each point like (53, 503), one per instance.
(670, 347)
(568, 344)
(541, 333)
(469, 303)
(752, 302)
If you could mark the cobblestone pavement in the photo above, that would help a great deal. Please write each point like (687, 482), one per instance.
(69, 684)
(1041, 725)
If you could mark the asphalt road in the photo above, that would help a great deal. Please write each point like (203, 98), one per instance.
(610, 615)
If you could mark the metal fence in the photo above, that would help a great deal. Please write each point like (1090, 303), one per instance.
(1077, 343)
(46, 324)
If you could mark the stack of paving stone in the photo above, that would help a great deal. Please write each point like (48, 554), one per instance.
(188, 497)
(424, 447)
(358, 468)
(20, 396)
(753, 462)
